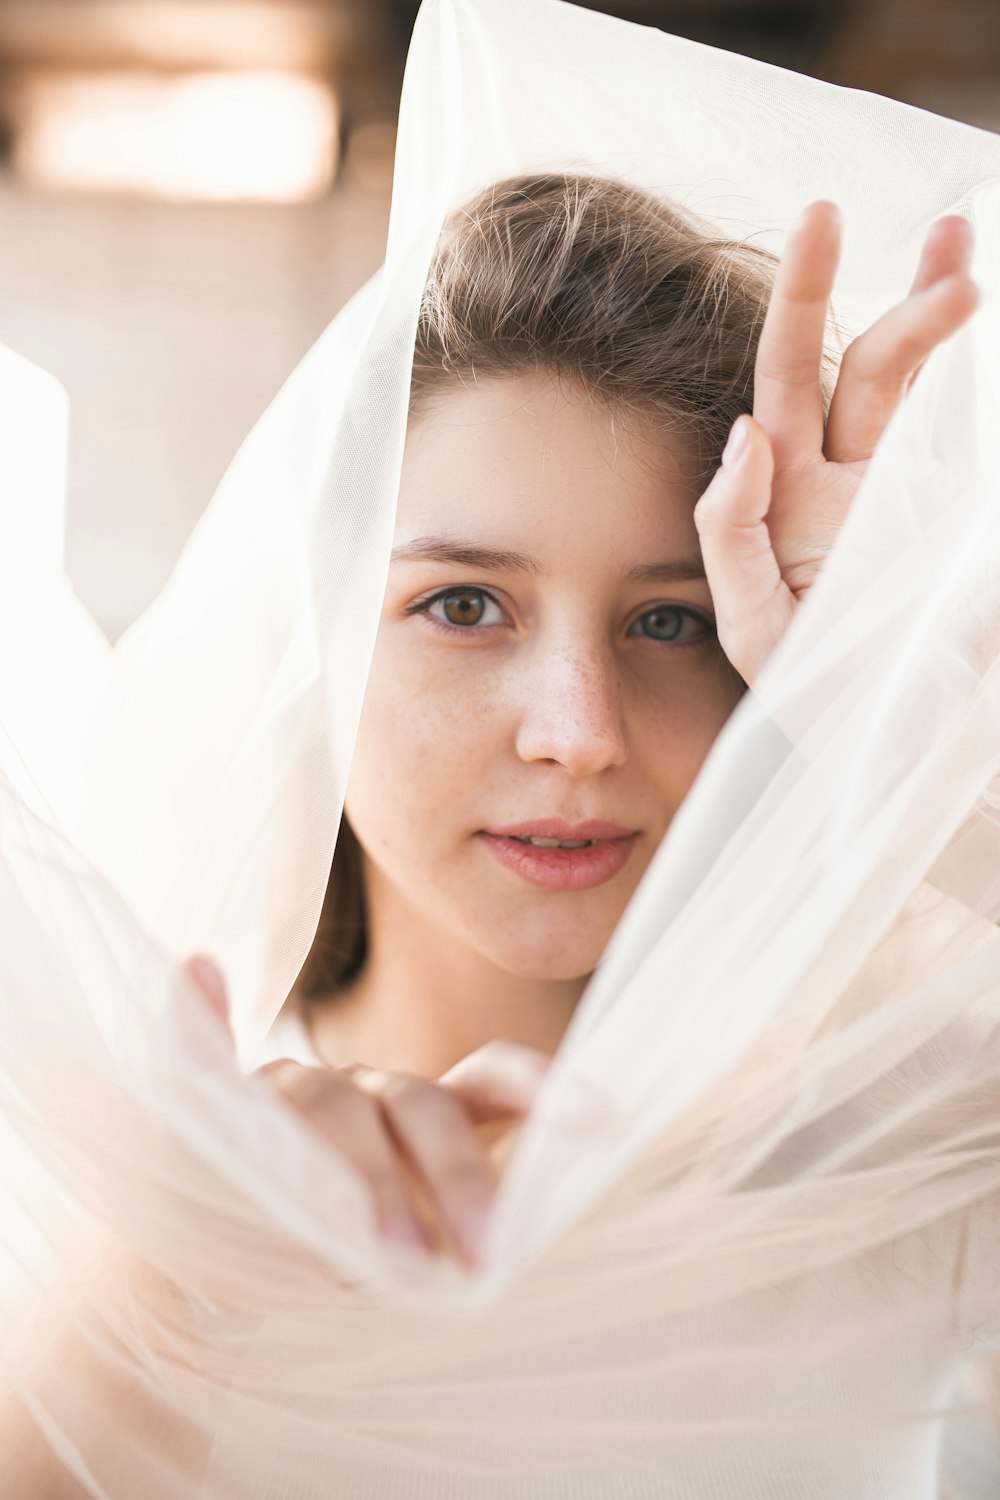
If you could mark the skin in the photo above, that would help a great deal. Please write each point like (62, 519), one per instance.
(556, 708)
(550, 704)
(556, 700)
(789, 474)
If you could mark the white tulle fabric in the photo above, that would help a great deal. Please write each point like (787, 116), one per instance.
(774, 1271)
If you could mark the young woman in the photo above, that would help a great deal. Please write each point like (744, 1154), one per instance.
(597, 547)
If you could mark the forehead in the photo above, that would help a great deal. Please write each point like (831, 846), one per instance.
(536, 454)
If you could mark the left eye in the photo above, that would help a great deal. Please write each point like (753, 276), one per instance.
(666, 623)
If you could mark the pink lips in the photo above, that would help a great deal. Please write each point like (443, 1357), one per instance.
(562, 869)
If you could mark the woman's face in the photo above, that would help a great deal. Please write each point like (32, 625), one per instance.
(570, 672)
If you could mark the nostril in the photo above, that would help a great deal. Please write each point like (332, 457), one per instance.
(584, 735)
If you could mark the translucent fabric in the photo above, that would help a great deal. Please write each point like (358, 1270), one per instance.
(774, 1270)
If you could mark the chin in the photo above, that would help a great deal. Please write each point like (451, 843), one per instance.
(553, 973)
(538, 957)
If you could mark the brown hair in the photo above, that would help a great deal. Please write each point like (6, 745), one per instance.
(649, 311)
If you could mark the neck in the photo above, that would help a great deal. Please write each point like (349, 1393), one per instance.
(425, 999)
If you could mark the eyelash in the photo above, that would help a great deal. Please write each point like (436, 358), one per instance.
(422, 606)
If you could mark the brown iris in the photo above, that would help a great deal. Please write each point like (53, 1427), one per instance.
(463, 606)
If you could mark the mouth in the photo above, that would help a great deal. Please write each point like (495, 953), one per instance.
(563, 857)
(546, 831)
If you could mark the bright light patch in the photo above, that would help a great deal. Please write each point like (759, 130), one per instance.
(218, 136)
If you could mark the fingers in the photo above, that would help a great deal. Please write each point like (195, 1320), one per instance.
(877, 368)
(947, 251)
(753, 605)
(433, 1132)
(350, 1119)
(503, 1078)
(412, 1139)
(880, 364)
(788, 396)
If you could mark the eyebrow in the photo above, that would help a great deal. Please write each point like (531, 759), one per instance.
(498, 560)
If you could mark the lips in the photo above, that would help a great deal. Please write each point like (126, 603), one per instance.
(610, 847)
(560, 828)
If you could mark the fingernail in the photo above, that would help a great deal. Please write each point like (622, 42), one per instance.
(738, 444)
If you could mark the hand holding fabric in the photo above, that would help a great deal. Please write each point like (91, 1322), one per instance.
(416, 1140)
(774, 508)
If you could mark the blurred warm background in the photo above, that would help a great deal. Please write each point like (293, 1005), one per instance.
(190, 189)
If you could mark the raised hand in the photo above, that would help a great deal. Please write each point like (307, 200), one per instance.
(773, 510)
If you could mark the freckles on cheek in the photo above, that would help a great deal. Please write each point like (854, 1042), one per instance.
(428, 713)
(446, 685)
(430, 741)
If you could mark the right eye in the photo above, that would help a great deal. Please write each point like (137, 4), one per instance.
(462, 609)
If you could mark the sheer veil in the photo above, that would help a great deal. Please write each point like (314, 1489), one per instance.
(775, 1268)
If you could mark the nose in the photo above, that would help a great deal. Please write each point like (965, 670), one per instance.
(571, 711)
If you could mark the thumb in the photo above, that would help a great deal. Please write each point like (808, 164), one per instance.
(753, 604)
(209, 978)
(503, 1077)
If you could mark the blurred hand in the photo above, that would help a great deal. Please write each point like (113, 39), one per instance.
(412, 1138)
(775, 507)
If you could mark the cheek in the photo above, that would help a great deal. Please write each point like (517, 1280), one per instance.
(423, 740)
(684, 716)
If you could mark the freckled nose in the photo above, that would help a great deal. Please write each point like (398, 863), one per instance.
(571, 713)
